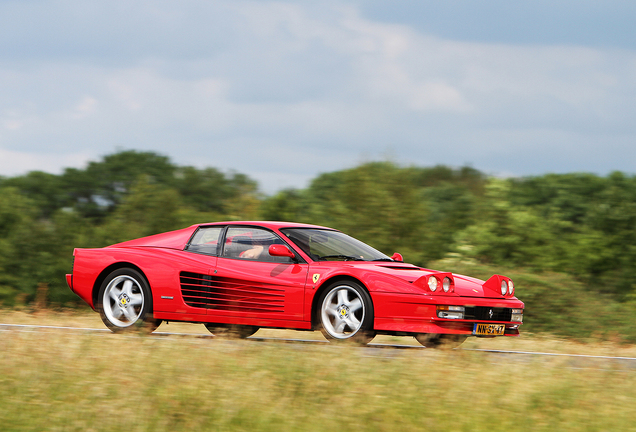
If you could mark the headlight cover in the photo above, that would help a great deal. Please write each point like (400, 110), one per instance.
(511, 288)
(432, 283)
(446, 284)
(504, 287)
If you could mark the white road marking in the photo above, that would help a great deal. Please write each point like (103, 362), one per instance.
(9, 327)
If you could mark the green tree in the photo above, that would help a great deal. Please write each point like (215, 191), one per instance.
(376, 203)
(286, 205)
(149, 208)
(101, 187)
(47, 191)
(17, 255)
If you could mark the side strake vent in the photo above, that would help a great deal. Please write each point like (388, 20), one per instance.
(213, 292)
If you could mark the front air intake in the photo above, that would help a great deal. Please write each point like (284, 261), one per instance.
(485, 313)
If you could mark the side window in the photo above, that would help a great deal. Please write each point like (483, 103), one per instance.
(251, 244)
(205, 241)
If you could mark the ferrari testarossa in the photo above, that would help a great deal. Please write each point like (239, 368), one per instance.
(236, 277)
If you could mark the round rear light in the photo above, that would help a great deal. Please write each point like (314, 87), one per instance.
(446, 284)
(504, 287)
(432, 283)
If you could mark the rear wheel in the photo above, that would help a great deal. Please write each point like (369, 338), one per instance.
(231, 331)
(346, 313)
(443, 341)
(124, 302)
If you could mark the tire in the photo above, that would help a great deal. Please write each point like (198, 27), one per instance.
(124, 302)
(346, 313)
(231, 331)
(441, 341)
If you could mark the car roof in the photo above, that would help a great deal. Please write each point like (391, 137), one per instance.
(276, 225)
(178, 239)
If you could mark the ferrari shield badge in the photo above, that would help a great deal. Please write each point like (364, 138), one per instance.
(124, 300)
(316, 277)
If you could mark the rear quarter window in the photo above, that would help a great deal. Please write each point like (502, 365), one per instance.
(205, 241)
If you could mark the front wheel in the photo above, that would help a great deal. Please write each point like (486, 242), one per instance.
(124, 302)
(346, 313)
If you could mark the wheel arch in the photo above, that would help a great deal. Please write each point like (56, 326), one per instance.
(111, 268)
(315, 307)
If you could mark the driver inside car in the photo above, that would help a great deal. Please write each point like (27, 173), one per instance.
(253, 253)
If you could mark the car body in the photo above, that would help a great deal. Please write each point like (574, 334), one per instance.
(236, 277)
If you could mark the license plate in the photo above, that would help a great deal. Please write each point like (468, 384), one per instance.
(489, 329)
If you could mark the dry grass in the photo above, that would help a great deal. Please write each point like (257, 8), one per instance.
(78, 381)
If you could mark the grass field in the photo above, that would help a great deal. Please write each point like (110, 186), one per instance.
(82, 381)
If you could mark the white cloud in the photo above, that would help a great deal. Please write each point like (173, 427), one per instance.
(19, 162)
(84, 108)
(246, 85)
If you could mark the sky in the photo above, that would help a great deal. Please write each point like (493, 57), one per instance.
(285, 90)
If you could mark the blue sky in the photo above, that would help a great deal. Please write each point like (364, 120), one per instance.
(283, 91)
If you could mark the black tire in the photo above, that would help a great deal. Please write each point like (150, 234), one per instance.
(441, 341)
(345, 313)
(124, 302)
(230, 331)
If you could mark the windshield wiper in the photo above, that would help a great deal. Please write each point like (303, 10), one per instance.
(384, 259)
(344, 257)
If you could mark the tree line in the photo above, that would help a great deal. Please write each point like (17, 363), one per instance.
(578, 227)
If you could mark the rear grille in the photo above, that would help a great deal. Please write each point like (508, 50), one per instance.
(212, 292)
(485, 313)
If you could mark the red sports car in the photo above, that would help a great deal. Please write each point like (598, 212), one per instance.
(236, 277)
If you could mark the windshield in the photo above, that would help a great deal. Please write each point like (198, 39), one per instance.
(327, 245)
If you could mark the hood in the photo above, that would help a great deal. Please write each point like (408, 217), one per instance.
(465, 286)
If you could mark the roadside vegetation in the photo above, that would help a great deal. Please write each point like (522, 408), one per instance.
(567, 240)
(58, 380)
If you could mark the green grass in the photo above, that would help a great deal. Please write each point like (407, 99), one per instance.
(77, 381)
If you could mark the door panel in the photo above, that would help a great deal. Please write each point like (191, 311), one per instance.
(253, 289)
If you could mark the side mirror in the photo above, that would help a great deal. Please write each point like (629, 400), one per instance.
(397, 257)
(281, 251)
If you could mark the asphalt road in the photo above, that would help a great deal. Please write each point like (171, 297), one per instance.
(577, 359)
